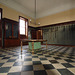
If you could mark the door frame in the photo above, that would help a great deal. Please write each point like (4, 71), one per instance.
(1, 27)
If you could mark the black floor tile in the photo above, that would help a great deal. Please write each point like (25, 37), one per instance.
(28, 59)
(6, 58)
(48, 66)
(47, 56)
(4, 69)
(2, 55)
(51, 53)
(70, 57)
(11, 60)
(43, 59)
(34, 56)
(65, 72)
(68, 60)
(18, 63)
(41, 72)
(57, 58)
(37, 62)
(27, 54)
(1, 64)
(11, 53)
(60, 55)
(67, 65)
(27, 68)
(40, 54)
(15, 55)
(16, 73)
(53, 61)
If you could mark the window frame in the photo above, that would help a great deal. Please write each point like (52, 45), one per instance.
(1, 12)
(26, 29)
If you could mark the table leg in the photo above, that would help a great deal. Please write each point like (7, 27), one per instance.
(46, 44)
(32, 47)
(21, 46)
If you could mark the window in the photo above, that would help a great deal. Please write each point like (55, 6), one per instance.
(26, 27)
(23, 26)
(0, 13)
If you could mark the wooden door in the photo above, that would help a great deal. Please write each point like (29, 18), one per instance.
(39, 34)
(0, 34)
(36, 34)
(33, 34)
(0, 28)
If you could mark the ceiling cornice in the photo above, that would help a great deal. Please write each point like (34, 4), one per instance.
(12, 4)
(55, 10)
(16, 6)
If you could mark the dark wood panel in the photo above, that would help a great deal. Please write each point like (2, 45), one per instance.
(22, 37)
(39, 34)
(0, 30)
(11, 42)
(57, 24)
(33, 34)
(36, 34)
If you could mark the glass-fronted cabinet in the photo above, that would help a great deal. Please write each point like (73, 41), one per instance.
(10, 33)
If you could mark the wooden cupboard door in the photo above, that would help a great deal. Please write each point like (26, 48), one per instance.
(36, 34)
(39, 34)
(0, 28)
(33, 34)
(0, 34)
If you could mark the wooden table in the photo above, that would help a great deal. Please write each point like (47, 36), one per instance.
(32, 41)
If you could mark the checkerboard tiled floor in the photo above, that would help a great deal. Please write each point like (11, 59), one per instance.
(56, 60)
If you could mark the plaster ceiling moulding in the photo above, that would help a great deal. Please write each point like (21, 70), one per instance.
(14, 5)
(44, 7)
(28, 4)
(56, 9)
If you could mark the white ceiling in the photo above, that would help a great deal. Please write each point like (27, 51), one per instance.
(43, 7)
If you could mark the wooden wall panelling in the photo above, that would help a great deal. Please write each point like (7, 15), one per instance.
(30, 28)
(0, 34)
(63, 34)
(39, 34)
(33, 34)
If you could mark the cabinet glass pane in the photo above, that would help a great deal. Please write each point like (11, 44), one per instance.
(8, 30)
(15, 30)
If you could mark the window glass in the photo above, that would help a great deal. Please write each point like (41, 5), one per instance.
(0, 15)
(22, 26)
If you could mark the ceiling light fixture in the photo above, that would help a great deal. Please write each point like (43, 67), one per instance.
(35, 17)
